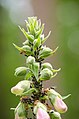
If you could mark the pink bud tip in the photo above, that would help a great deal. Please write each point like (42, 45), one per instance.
(59, 105)
(42, 114)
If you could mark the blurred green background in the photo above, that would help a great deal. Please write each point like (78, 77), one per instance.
(62, 18)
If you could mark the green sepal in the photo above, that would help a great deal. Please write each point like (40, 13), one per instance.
(26, 42)
(65, 97)
(27, 35)
(20, 71)
(18, 48)
(35, 69)
(54, 115)
(56, 70)
(36, 43)
(44, 39)
(29, 92)
(38, 33)
(28, 75)
(20, 110)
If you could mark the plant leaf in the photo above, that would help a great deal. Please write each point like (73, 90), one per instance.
(35, 69)
(28, 36)
(29, 92)
(46, 37)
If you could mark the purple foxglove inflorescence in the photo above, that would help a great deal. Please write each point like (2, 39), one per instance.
(34, 99)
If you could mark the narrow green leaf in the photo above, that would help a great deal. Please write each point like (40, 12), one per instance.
(38, 33)
(29, 92)
(64, 97)
(46, 37)
(28, 36)
(36, 43)
(17, 47)
(35, 69)
(20, 110)
(28, 75)
(56, 70)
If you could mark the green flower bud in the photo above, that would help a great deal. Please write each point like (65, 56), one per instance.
(38, 104)
(46, 74)
(54, 115)
(45, 52)
(56, 100)
(21, 87)
(47, 65)
(30, 60)
(20, 71)
(20, 110)
(17, 90)
(27, 49)
(59, 105)
(26, 42)
(53, 92)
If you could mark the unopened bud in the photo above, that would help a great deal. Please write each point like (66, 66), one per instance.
(46, 74)
(45, 52)
(38, 104)
(26, 49)
(54, 115)
(42, 114)
(53, 92)
(21, 87)
(30, 60)
(47, 65)
(59, 105)
(56, 100)
(20, 71)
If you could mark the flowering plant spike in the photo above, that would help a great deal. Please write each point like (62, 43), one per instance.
(34, 98)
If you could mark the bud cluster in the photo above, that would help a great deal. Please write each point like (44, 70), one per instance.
(33, 97)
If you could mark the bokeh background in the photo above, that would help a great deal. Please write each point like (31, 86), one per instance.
(62, 18)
